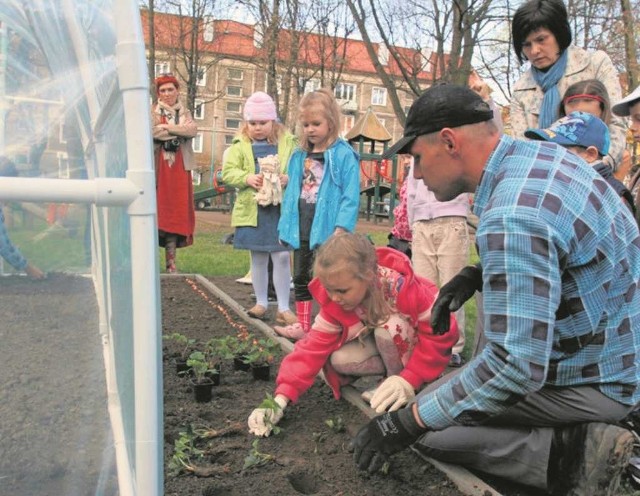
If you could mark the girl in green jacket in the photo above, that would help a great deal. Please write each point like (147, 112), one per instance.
(256, 164)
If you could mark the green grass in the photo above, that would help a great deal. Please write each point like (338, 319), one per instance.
(51, 248)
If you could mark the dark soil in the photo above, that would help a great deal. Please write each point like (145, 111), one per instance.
(308, 457)
(54, 426)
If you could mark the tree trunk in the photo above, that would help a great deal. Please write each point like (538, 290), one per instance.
(152, 50)
(631, 54)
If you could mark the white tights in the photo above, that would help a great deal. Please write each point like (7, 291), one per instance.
(281, 277)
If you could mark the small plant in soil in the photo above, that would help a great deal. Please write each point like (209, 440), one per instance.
(222, 348)
(262, 352)
(230, 347)
(270, 403)
(255, 458)
(335, 424)
(201, 367)
(186, 454)
(189, 457)
(184, 344)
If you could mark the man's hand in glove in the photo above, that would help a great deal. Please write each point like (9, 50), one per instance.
(384, 436)
(263, 419)
(393, 393)
(453, 295)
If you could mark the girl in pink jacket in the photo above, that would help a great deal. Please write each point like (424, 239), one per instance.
(373, 320)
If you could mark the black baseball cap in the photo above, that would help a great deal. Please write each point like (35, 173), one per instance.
(442, 105)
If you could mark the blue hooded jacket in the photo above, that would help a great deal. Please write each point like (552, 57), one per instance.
(338, 196)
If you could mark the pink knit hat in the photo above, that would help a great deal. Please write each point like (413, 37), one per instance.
(260, 107)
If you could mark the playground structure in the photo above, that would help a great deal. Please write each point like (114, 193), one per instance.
(369, 131)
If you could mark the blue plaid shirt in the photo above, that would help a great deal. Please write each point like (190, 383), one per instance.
(561, 267)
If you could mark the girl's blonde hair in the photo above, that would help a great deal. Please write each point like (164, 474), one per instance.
(591, 88)
(277, 131)
(331, 110)
(355, 253)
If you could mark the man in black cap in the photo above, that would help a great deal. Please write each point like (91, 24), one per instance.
(560, 258)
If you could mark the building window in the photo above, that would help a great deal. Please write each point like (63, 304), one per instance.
(232, 123)
(234, 90)
(234, 107)
(347, 123)
(198, 110)
(196, 177)
(378, 96)
(228, 139)
(162, 68)
(345, 91)
(202, 77)
(383, 122)
(309, 85)
(196, 144)
(236, 74)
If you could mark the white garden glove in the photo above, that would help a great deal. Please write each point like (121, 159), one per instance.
(392, 394)
(262, 420)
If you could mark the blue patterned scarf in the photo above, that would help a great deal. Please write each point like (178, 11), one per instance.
(548, 81)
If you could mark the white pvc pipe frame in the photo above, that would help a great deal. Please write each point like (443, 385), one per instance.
(137, 192)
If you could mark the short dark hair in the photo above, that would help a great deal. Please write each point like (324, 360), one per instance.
(535, 14)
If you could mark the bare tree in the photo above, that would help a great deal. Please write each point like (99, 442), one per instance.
(631, 53)
(297, 43)
(453, 26)
(152, 46)
(188, 32)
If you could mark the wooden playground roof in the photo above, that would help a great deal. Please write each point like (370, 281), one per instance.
(369, 128)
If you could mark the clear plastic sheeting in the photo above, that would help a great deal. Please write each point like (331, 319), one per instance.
(79, 349)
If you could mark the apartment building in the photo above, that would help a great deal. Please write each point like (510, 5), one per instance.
(232, 66)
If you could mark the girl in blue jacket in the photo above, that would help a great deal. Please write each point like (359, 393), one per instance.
(322, 196)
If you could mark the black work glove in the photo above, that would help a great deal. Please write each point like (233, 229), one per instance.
(383, 436)
(453, 295)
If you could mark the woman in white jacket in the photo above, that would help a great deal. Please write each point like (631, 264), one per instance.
(542, 36)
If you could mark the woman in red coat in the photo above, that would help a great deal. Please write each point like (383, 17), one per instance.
(173, 130)
(373, 320)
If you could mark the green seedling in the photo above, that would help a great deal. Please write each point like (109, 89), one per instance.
(256, 458)
(270, 403)
(318, 437)
(200, 366)
(185, 453)
(261, 351)
(184, 343)
(336, 424)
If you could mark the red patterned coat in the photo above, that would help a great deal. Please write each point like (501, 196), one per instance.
(409, 294)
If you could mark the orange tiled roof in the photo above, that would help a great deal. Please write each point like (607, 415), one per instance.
(235, 39)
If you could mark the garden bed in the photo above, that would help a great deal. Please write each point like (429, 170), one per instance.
(308, 456)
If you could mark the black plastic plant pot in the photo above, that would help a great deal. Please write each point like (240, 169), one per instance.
(214, 375)
(261, 372)
(181, 366)
(239, 364)
(202, 391)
